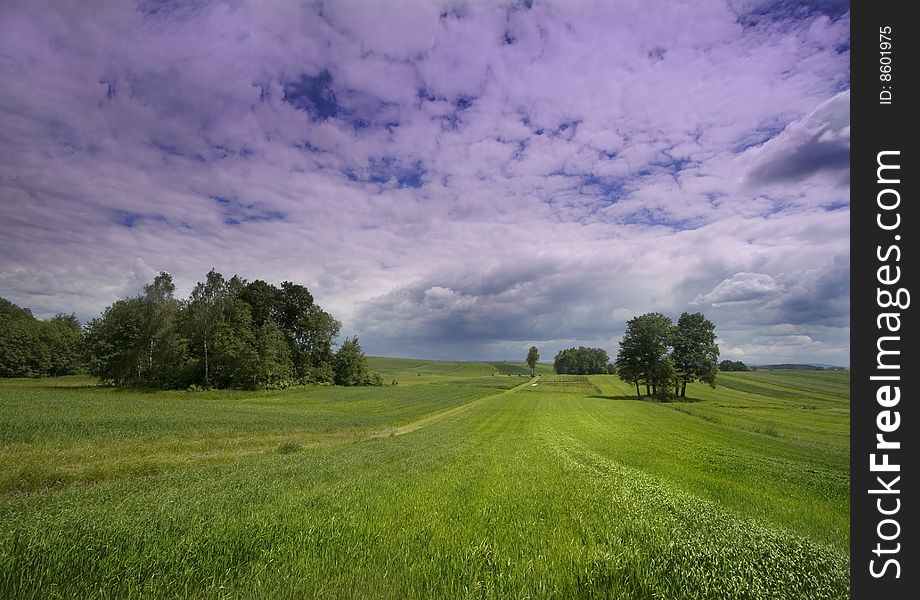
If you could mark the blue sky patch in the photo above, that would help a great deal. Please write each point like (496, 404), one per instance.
(313, 94)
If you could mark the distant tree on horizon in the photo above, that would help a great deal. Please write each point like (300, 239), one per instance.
(533, 356)
(581, 361)
(733, 365)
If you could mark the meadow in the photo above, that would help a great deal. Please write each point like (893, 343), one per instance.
(467, 480)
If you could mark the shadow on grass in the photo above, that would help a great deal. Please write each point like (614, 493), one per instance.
(634, 398)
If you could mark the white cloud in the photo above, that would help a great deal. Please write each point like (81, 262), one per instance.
(743, 287)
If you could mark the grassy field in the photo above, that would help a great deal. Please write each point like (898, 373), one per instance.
(465, 481)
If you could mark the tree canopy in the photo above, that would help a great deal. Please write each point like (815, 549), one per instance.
(694, 350)
(350, 365)
(581, 361)
(644, 357)
(733, 365)
(533, 357)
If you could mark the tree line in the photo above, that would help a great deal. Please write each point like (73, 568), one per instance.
(229, 333)
(31, 347)
(733, 365)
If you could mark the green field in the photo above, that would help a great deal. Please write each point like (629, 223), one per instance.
(464, 481)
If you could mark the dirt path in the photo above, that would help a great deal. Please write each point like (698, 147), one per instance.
(434, 418)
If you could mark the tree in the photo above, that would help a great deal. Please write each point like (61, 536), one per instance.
(321, 330)
(310, 330)
(135, 341)
(22, 353)
(164, 352)
(533, 356)
(694, 351)
(228, 333)
(733, 365)
(350, 364)
(581, 361)
(114, 343)
(31, 347)
(275, 366)
(564, 362)
(643, 354)
(234, 361)
(629, 370)
(264, 301)
(593, 361)
(204, 313)
(662, 376)
(63, 338)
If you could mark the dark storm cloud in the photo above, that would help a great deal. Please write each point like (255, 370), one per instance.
(817, 144)
(819, 153)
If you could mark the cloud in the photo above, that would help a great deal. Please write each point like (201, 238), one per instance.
(743, 287)
(820, 142)
(460, 179)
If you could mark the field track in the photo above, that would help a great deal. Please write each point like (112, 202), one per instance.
(416, 425)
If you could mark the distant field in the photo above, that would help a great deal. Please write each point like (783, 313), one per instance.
(465, 481)
(409, 367)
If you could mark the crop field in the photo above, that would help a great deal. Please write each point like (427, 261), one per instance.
(574, 383)
(464, 481)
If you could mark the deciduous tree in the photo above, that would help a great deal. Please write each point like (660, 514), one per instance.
(31, 347)
(533, 356)
(114, 343)
(204, 313)
(643, 353)
(581, 361)
(695, 352)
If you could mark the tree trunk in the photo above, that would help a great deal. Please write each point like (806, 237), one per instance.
(647, 390)
(683, 390)
(654, 391)
(206, 381)
(638, 395)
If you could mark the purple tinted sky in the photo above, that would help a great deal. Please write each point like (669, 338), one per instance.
(450, 179)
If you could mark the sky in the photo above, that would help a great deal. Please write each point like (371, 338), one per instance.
(451, 180)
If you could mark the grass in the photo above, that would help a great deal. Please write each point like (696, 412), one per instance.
(459, 483)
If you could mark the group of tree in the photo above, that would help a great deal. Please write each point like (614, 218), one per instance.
(582, 361)
(665, 357)
(31, 347)
(733, 365)
(229, 333)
